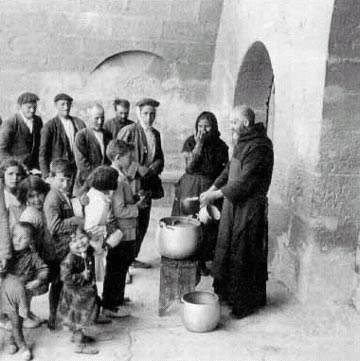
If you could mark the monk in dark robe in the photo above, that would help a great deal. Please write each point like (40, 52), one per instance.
(240, 263)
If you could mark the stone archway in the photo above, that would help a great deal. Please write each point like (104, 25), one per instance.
(255, 85)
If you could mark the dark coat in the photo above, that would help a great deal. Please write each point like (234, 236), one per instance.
(240, 263)
(28, 266)
(60, 222)
(17, 141)
(114, 125)
(88, 155)
(135, 135)
(55, 143)
(5, 239)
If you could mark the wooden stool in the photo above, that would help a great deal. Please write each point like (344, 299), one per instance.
(177, 277)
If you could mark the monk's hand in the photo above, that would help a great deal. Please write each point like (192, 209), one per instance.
(209, 197)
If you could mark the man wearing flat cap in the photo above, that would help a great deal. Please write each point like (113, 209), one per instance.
(58, 134)
(148, 162)
(20, 135)
(122, 108)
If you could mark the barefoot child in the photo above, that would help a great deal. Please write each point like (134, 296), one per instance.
(79, 304)
(13, 304)
(27, 265)
(61, 223)
(26, 272)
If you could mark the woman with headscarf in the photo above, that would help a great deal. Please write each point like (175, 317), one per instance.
(206, 155)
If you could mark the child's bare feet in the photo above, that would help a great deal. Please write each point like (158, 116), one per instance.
(36, 318)
(25, 353)
(11, 347)
(29, 323)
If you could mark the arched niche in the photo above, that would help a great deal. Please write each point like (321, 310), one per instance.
(255, 85)
(129, 74)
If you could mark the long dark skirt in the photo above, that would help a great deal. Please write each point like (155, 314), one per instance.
(78, 306)
(192, 185)
(240, 263)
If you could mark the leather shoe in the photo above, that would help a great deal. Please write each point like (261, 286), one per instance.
(139, 264)
(119, 313)
(102, 320)
(238, 315)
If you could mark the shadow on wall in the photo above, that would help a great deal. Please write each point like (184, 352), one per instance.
(255, 81)
(255, 88)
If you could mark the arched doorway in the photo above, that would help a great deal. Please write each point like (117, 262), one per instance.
(255, 85)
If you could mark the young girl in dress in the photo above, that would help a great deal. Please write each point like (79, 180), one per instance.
(13, 172)
(32, 192)
(79, 303)
(99, 217)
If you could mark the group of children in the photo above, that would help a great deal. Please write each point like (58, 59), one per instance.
(52, 245)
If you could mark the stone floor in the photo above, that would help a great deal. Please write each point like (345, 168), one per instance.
(283, 331)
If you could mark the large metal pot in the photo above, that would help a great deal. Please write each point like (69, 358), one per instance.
(178, 237)
(200, 311)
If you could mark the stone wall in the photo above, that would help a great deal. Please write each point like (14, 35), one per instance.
(338, 192)
(295, 35)
(96, 50)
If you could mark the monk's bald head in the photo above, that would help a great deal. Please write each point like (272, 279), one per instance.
(243, 118)
(97, 116)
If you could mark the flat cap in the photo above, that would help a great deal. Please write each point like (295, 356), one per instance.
(148, 101)
(63, 96)
(123, 102)
(27, 97)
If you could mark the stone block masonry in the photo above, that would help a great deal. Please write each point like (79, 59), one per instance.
(54, 46)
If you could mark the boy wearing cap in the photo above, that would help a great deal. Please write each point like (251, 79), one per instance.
(58, 134)
(20, 135)
(122, 108)
(149, 157)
